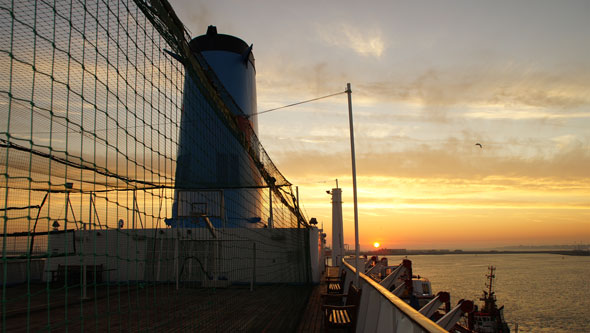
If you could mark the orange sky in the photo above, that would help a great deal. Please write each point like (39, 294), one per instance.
(457, 213)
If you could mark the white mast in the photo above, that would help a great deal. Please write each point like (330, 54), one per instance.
(352, 153)
(337, 230)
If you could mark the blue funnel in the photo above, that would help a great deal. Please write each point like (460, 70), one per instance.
(215, 177)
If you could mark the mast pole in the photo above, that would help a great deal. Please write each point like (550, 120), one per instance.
(352, 153)
(491, 277)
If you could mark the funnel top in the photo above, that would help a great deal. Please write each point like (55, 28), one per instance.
(212, 41)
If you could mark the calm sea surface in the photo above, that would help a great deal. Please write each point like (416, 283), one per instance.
(540, 292)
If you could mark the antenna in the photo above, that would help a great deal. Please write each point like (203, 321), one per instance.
(491, 277)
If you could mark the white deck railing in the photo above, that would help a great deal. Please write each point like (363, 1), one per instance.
(382, 311)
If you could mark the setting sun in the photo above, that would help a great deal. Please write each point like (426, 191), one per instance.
(376, 244)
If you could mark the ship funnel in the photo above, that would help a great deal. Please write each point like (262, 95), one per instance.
(233, 62)
(215, 177)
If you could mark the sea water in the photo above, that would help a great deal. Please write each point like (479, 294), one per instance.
(540, 292)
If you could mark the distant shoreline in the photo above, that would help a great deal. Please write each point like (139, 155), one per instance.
(443, 252)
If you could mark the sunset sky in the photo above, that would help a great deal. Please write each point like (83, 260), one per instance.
(429, 79)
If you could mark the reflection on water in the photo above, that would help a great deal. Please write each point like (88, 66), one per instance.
(540, 292)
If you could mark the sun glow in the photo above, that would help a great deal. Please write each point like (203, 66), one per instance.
(376, 244)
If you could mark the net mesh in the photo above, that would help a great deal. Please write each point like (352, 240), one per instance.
(90, 142)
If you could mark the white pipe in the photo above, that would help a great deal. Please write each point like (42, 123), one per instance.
(337, 237)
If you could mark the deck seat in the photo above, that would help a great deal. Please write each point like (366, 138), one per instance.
(338, 317)
(336, 285)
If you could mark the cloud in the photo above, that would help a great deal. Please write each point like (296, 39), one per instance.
(570, 159)
(388, 186)
(200, 16)
(368, 43)
(523, 114)
(298, 81)
(564, 142)
(440, 94)
(500, 88)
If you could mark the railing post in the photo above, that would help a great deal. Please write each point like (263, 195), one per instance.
(159, 257)
(271, 185)
(297, 202)
(253, 279)
(133, 210)
(176, 261)
(84, 273)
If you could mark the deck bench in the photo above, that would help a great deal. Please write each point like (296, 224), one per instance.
(74, 273)
(338, 317)
(336, 285)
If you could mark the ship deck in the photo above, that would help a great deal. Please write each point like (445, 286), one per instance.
(312, 319)
(272, 308)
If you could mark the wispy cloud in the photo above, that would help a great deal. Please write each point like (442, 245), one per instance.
(368, 42)
(440, 95)
(504, 88)
(567, 142)
(521, 114)
(569, 159)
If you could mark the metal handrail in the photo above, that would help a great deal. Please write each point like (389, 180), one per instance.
(416, 317)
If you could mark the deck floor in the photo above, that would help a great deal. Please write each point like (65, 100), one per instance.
(312, 319)
(140, 307)
(272, 308)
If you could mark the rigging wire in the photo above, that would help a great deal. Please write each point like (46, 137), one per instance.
(298, 103)
(165, 123)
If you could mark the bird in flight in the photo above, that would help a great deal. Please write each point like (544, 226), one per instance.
(479, 144)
